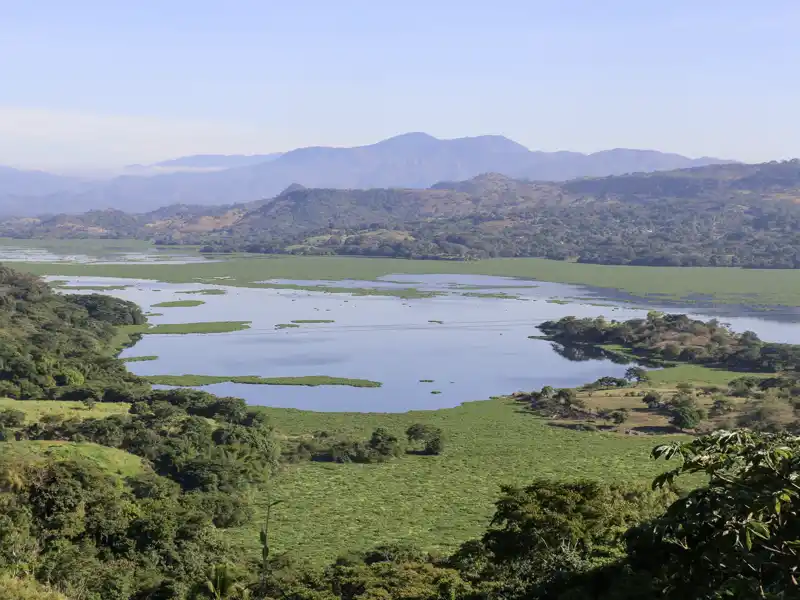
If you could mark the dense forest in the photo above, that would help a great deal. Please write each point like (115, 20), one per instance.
(718, 215)
(71, 529)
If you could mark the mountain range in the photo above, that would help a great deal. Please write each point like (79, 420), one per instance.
(722, 215)
(413, 160)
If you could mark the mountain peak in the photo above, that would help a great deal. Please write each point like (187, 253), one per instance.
(414, 138)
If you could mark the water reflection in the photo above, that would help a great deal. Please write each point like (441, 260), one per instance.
(472, 348)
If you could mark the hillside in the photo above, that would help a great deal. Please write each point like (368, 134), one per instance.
(720, 215)
(413, 160)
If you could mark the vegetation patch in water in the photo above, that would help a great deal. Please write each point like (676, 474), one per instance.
(208, 292)
(131, 359)
(304, 321)
(287, 326)
(179, 303)
(723, 284)
(308, 380)
(500, 295)
(92, 288)
(207, 327)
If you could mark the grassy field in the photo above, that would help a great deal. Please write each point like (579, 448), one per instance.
(697, 374)
(178, 304)
(307, 380)
(435, 502)
(110, 460)
(35, 409)
(727, 285)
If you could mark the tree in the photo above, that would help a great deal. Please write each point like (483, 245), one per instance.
(419, 432)
(605, 415)
(435, 443)
(637, 374)
(737, 536)
(686, 416)
(432, 437)
(620, 416)
(11, 418)
(551, 528)
(721, 405)
(653, 400)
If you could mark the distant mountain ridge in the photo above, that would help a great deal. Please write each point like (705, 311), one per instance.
(721, 215)
(413, 160)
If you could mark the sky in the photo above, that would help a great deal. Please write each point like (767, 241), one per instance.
(99, 83)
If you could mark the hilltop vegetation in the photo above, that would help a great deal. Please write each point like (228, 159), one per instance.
(678, 337)
(58, 346)
(718, 215)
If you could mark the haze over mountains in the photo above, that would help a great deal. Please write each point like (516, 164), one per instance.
(413, 160)
(721, 215)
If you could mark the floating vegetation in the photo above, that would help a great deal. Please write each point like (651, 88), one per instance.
(179, 303)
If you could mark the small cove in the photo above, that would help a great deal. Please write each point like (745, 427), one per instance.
(471, 347)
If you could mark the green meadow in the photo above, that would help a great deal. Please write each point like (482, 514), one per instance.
(435, 502)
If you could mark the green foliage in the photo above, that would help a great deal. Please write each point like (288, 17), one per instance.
(620, 416)
(51, 344)
(678, 337)
(111, 310)
(11, 418)
(431, 437)
(736, 537)
(556, 403)
(685, 412)
(71, 524)
(653, 400)
(637, 374)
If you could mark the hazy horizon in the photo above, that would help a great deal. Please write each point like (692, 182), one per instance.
(96, 85)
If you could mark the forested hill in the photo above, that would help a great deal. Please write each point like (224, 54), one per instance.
(725, 215)
(60, 346)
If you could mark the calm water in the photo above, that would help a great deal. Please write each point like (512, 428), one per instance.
(10, 253)
(480, 349)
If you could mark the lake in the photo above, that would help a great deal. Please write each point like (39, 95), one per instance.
(471, 347)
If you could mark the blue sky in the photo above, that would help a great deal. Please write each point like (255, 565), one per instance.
(102, 83)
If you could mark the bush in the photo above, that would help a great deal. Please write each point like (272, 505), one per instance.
(653, 400)
(11, 418)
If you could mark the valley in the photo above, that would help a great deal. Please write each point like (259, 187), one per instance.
(327, 361)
